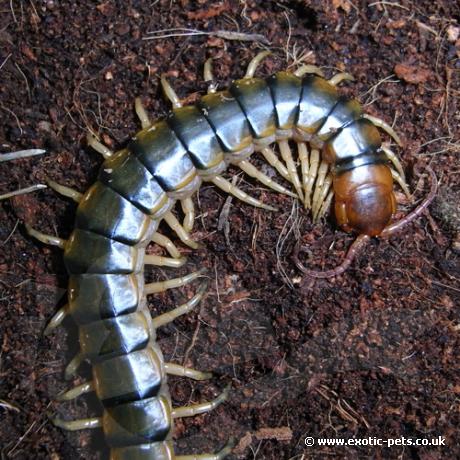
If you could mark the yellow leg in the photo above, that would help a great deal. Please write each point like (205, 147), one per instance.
(141, 113)
(228, 187)
(195, 409)
(189, 211)
(56, 320)
(401, 183)
(160, 286)
(274, 161)
(340, 77)
(307, 68)
(170, 93)
(76, 392)
(326, 205)
(209, 77)
(252, 171)
(317, 211)
(395, 160)
(385, 126)
(73, 366)
(286, 154)
(160, 261)
(65, 191)
(256, 60)
(172, 221)
(188, 306)
(321, 176)
(181, 371)
(166, 243)
(312, 173)
(74, 425)
(98, 146)
(46, 239)
(302, 153)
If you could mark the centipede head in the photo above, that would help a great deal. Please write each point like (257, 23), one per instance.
(364, 199)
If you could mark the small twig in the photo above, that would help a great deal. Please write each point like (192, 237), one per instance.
(21, 154)
(22, 191)
(4, 61)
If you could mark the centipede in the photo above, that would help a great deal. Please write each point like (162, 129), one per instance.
(322, 144)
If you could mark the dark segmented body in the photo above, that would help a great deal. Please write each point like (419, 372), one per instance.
(119, 214)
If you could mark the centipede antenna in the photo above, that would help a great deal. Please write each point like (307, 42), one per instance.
(188, 306)
(189, 213)
(20, 154)
(255, 61)
(394, 159)
(166, 243)
(228, 187)
(160, 261)
(98, 146)
(65, 191)
(141, 113)
(56, 320)
(75, 425)
(195, 409)
(385, 126)
(161, 286)
(46, 239)
(227, 450)
(22, 191)
(340, 77)
(312, 173)
(402, 183)
(325, 205)
(286, 154)
(252, 171)
(307, 68)
(183, 235)
(417, 211)
(72, 367)
(274, 162)
(209, 77)
(181, 371)
(76, 392)
(356, 246)
(170, 93)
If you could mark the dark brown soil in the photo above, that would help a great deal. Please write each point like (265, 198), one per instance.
(371, 353)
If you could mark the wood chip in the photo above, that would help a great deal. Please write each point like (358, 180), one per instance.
(412, 74)
(282, 433)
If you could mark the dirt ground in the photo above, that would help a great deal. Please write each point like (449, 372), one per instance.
(371, 353)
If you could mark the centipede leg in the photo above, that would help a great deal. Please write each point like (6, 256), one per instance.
(218, 456)
(319, 185)
(65, 191)
(56, 320)
(189, 211)
(394, 159)
(170, 93)
(417, 211)
(166, 243)
(183, 309)
(98, 146)
(252, 171)
(46, 239)
(208, 76)
(75, 425)
(141, 113)
(302, 153)
(311, 177)
(72, 367)
(195, 409)
(286, 154)
(255, 62)
(326, 204)
(161, 286)
(357, 245)
(274, 161)
(183, 235)
(402, 183)
(385, 126)
(228, 187)
(340, 77)
(181, 371)
(322, 197)
(160, 261)
(76, 392)
(308, 68)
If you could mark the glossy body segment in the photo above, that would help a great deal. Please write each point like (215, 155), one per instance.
(150, 451)
(286, 89)
(227, 119)
(107, 213)
(159, 149)
(254, 97)
(197, 135)
(125, 174)
(94, 297)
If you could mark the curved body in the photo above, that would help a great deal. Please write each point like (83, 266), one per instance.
(167, 161)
